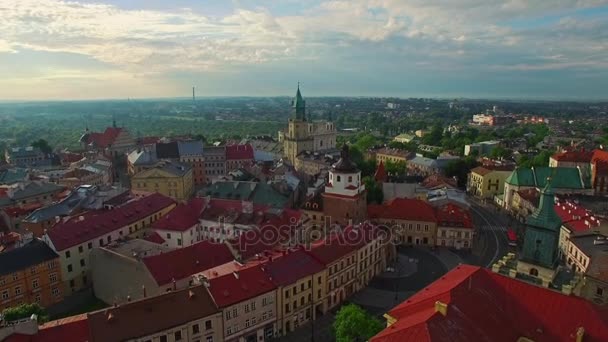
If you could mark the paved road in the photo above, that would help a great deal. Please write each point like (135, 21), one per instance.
(491, 242)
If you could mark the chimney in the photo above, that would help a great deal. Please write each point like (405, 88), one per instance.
(174, 285)
(442, 308)
(143, 289)
(580, 332)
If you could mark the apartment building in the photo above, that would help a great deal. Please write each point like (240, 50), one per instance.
(181, 226)
(412, 221)
(168, 178)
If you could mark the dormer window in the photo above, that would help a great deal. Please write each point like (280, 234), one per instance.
(338, 178)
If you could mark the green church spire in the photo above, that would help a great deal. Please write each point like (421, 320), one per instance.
(542, 231)
(299, 106)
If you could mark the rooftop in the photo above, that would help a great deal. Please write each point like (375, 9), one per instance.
(451, 215)
(183, 217)
(151, 315)
(403, 209)
(97, 223)
(292, 267)
(239, 152)
(185, 262)
(18, 259)
(236, 287)
(512, 309)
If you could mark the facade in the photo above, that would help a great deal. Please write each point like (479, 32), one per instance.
(486, 182)
(74, 239)
(30, 274)
(454, 227)
(239, 157)
(188, 315)
(193, 154)
(393, 155)
(314, 163)
(345, 197)
(300, 281)
(24, 194)
(340, 262)
(599, 172)
(594, 285)
(412, 221)
(514, 311)
(303, 135)
(181, 226)
(481, 148)
(247, 299)
(26, 157)
(171, 179)
(215, 162)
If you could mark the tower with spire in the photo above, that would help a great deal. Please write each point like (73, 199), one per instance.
(345, 197)
(304, 134)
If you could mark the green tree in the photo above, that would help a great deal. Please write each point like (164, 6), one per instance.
(374, 190)
(500, 152)
(365, 142)
(395, 168)
(25, 311)
(43, 145)
(354, 324)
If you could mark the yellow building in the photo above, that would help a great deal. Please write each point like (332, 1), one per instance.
(74, 239)
(391, 154)
(300, 281)
(168, 178)
(485, 182)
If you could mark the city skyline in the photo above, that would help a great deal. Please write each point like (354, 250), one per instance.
(57, 50)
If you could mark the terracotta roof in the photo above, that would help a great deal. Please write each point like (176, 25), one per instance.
(292, 267)
(239, 286)
(482, 171)
(380, 175)
(577, 218)
(512, 309)
(185, 262)
(451, 215)
(72, 329)
(239, 152)
(581, 156)
(155, 237)
(438, 181)
(331, 249)
(151, 315)
(98, 223)
(105, 139)
(403, 209)
(183, 217)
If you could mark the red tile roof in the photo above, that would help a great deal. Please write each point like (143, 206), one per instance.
(98, 223)
(183, 217)
(332, 249)
(403, 209)
(69, 157)
(438, 181)
(577, 218)
(380, 175)
(580, 156)
(69, 329)
(22, 210)
(185, 262)
(451, 215)
(239, 152)
(239, 286)
(105, 139)
(292, 267)
(155, 237)
(511, 309)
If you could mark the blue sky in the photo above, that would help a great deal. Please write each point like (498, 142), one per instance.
(86, 49)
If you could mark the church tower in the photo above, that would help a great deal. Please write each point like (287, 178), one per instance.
(540, 250)
(345, 197)
(298, 137)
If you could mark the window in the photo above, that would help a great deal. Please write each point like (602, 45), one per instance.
(338, 178)
(246, 308)
(599, 291)
(17, 290)
(247, 324)
(286, 293)
(209, 339)
(67, 254)
(168, 235)
(235, 312)
(90, 245)
(208, 325)
(264, 316)
(55, 291)
(195, 329)
(179, 242)
(82, 262)
(163, 338)
(350, 179)
(253, 306)
(100, 242)
(38, 298)
(229, 331)
(53, 277)
(70, 268)
(178, 335)
(287, 310)
(295, 290)
(80, 249)
(109, 239)
(228, 315)
(264, 301)
(35, 283)
(5, 295)
(72, 283)
(302, 287)
(319, 280)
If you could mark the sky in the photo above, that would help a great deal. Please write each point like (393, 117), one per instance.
(96, 49)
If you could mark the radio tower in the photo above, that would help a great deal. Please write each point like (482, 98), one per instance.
(193, 95)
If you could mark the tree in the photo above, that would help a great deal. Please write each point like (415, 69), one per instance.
(374, 190)
(500, 152)
(395, 168)
(43, 145)
(25, 311)
(365, 142)
(354, 324)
